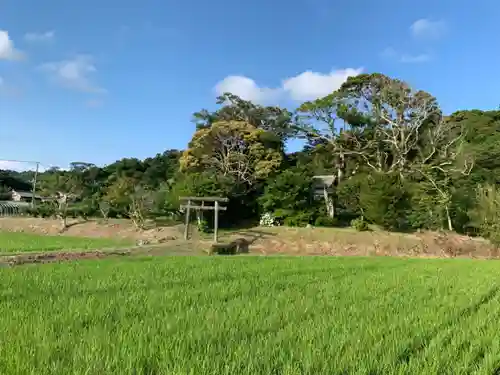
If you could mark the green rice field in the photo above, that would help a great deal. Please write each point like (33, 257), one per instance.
(251, 315)
(15, 242)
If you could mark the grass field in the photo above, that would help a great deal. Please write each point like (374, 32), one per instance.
(251, 315)
(14, 242)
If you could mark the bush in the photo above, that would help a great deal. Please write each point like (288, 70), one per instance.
(298, 219)
(360, 224)
(288, 193)
(485, 217)
(325, 221)
(73, 212)
(385, 201)
(42, 210)
(348, 199)
(203, 226)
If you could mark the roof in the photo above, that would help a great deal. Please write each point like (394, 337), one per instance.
(325, 180)
(26, 194)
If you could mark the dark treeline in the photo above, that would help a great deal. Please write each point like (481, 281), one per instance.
(397, 163)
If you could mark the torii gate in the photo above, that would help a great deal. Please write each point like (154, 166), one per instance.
(216, 208)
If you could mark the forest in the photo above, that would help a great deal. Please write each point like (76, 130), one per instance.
(396, 162)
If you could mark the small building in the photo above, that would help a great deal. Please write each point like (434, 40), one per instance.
(323, 185)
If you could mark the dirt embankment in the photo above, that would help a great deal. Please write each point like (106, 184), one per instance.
(114, 228)
(334, 241)
(276, 240)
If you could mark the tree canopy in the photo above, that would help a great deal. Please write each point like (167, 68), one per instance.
(395, 159)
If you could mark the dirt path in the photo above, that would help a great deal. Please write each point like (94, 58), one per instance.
(67, 256)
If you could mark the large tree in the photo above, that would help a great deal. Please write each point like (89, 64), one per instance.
(380, 123)
(233, 148)
(406, 133)
(273, 119)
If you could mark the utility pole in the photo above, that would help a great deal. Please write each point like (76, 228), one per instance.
(33, 190)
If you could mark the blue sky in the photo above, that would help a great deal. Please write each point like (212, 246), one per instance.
(100, 80)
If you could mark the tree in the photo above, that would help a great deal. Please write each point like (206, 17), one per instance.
(482, 140)
(328, 124)
(384, 200)
(406, 133)
(62, 200)
(5, 192)
(395, 158)
(288, 194)
(104, 207)
(118, 194)
(275, 120)
(486, 215)
(399, 124)
(141, 203)
(127, 197)
(233, 148)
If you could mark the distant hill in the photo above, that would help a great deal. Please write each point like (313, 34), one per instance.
(14, 180)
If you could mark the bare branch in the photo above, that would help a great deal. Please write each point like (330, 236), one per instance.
(231, 156)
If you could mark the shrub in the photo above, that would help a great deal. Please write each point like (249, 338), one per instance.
(348, 199)
(267, 220)
(42, 210)
(298, 219)
(385, 201)
(325, 221)
(360, 224)
(203, 226)
(288, 194)
(485, 217)
(73, 212)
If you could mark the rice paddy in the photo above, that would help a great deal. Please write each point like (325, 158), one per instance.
(17, 242)
(251, 315)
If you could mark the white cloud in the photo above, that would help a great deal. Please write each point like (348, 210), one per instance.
(425, 28)
(40, 37)
(74, 74)
(19, 166)
(247, 89)
(7, 49)
(311, 85)
(308, 85)
(391, 54)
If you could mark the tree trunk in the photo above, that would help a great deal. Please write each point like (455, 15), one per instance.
(340, 169)
(330, 207)
(199, 217)
(448, 218)
(63, 211)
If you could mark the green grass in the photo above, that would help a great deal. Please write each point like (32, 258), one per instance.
(15, 242)
(251, 315)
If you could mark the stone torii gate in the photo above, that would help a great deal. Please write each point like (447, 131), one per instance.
(216, 208)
